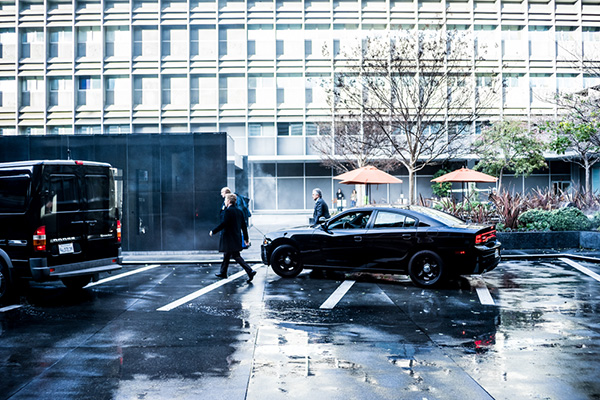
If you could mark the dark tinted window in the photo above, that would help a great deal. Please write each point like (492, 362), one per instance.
(352, 220)
(97, 192)
(64, 194)
(13, 193)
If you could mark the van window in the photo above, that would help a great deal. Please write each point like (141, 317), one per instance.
(64, 195)
(97, 192)
(14, 191)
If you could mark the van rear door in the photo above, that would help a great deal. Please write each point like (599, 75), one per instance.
(62, 219)
(100, 214)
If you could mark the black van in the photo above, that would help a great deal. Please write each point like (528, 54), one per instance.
(58, 220)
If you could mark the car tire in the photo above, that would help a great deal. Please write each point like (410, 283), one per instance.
(76, 282)
(426, 269)
(286, 262)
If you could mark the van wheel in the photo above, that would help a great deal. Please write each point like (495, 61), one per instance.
(77, 282)
(6, 287)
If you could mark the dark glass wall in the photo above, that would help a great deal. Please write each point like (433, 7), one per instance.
(171, 183)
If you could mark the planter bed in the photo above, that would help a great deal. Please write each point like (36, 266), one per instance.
(549, 240)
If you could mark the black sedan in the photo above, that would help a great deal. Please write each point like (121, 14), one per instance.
(428, 245)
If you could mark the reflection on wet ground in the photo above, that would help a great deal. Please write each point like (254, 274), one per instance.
(385, 339)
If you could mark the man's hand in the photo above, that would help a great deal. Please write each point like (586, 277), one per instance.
(210, 233)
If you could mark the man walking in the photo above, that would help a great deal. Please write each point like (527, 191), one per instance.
(233, 225)
(321, 209)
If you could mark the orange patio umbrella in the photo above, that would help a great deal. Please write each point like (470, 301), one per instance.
(465, 175)
(367, 175)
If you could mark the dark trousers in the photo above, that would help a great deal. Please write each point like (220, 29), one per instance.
(238, 259)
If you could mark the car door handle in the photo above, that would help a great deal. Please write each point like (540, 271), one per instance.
(77, 222)
(358, 238)
(406, 236)
(91, 222)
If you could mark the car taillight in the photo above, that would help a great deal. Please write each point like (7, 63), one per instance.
(484, 237)
(118, 231)
(39, 239)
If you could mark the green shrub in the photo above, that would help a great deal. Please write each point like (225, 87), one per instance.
(569, 219)
(535, 220)
(563, 219)
(596, 220)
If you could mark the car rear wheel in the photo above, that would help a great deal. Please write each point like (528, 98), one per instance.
(426, 269)
(285, 261)
(77, 282)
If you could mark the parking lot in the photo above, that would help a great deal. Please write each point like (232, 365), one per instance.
(527, 330)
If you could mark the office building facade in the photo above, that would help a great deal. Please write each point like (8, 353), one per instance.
(258, 69)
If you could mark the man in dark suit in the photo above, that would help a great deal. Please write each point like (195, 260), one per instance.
(230, 244)
(321, 209)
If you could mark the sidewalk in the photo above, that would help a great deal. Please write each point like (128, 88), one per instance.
(261, 224)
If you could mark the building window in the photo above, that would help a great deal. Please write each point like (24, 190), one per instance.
(118, 91)
(32, 43)
(174, 43)
(88, 130)
(61, 41)
(261, 90)
(7, 44)
(203, 91)
(118, 41)
(145, 42)
(289, 129)
(232, 90)
(232, 41)
(7, 93)
(89, 42)
(174, 91)
(88, 91)
(116, 129)
(203, 42)
(32, 92)
(61, 130)
(61, 92)
(145, 91)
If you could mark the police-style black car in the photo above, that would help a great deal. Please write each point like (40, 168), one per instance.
(429, 245)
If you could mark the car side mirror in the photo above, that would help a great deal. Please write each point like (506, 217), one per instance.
(322, 220)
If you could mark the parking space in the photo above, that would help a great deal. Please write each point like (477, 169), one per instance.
(528, 329)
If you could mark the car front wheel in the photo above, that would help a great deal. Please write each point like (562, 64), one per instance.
(285, 261)
(426, 269)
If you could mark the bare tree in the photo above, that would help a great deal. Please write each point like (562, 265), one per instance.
(352, 144)
(576, 136)
(418, 89)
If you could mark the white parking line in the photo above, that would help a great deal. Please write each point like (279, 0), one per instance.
(482, 290)
(581, 268)
(336, 296)
(112, 278)
(8, 308)
(203, 291)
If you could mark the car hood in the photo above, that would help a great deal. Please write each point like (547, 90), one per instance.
(287, 232)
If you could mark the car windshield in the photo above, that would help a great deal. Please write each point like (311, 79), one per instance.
(441, 216)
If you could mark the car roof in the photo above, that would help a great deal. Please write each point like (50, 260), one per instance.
(419, 212)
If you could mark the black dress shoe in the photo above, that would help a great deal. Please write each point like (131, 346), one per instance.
(251, 276)
(221, 276)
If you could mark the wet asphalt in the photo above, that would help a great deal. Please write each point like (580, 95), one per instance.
(528, 330)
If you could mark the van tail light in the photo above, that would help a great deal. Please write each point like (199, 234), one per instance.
(484, 237)
(119, 231)
(39, 239)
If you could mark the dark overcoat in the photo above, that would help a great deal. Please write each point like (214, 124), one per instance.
(321, 210)
(233, 225)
